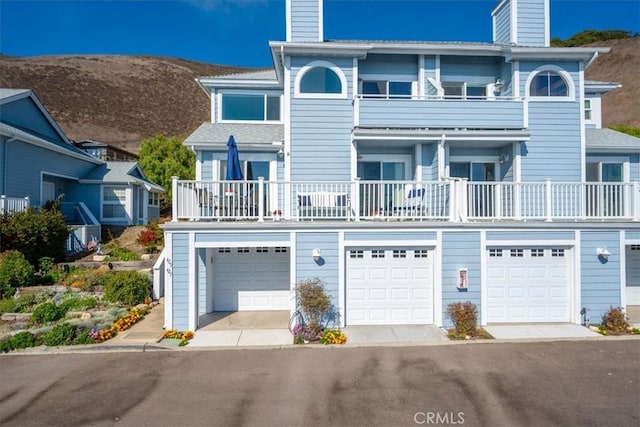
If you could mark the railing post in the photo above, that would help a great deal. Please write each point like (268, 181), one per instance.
(517, 200)
(635, 200)
(261, 199)
(463, 201)
(3, 204)
(355, 196)
(174, 199)
(498, 200)
(547, 200)
(26, 200)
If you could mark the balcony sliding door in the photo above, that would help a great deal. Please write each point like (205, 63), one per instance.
(378, 197)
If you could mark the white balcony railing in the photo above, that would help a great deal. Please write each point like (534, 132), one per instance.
(13, 204)
(455, 200)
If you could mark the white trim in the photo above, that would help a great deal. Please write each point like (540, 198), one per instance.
(514, 21)
(623, 269)
(418, 163)
(236, 244)
(354, 159)
(437, 70)
(443, 167)
(265, 94)
(342, 279)
(198, 165)
(571, 89)
(391, 243)
(547, 21)
(168, 282)
(437, 281)
(58, 175)
(517, 162)
(515, 90)
(320, 21)
(213, 101)
(483, 277)
(386, 158)
(421, 76)
(493, 27)
(288, 20)
(577, 278)
(287, 133)
(530, 243)
(583, 131)
(192, 283)
(292, 269)
(321, 64)
(127, 204)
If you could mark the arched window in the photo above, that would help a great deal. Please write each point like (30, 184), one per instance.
(321, 79)
(548, 83)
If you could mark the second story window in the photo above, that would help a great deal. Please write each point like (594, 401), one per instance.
(252, 107)
(320, 80)
(386, 89)
(587, 109)
(548, 83)
(463, 90)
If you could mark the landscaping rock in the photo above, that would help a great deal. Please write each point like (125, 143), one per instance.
(85, 316)
(142, 307)
(99, 258)
(16, 317)
(145, 257)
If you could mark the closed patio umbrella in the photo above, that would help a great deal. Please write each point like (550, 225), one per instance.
(234, 170)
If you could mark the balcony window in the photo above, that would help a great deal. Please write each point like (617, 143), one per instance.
(548, 83)
(463, 90)
(250, 107)
(386, 89)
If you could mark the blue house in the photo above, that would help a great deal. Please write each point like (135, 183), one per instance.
(407, 176)
(38, 163)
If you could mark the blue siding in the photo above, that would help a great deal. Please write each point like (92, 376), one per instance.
(3, 170)
(379, 236)
(470, 69)
(180, 276)
(252, 239)
(632, 235)
(448, 113)
(503, 24)
(429, 162)
(321, 130)
(24, 114)
(525, 236)
(327, 269)
(531, 23)
(600, 280)
(389, 67)
(460, 250)
(89, 194)
(305, 20)
(25, 162)
(429, 71)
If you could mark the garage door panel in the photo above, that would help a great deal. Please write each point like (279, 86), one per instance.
(533, 288)
(251, 279)
(387, 289)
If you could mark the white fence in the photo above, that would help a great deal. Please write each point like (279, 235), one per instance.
(13, 204)
(455, 200)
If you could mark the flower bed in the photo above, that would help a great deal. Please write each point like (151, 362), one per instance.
(182, 337)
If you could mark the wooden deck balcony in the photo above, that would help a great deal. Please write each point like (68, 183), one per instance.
(453, 200)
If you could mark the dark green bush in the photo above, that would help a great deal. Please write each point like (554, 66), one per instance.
(15, 271)
(36, 234)
(62, 334)
(77, 302)
(83, 337)
(127, 287)
(122, 254)
(6, 346)
(47, 312)
(8, 305)
(25, 303)
(23, 340)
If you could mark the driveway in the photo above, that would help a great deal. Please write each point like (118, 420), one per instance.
(576, 383)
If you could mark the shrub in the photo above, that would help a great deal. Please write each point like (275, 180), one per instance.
(150, 238)
(36, 234)
(6, 346)
(127, 287)
(313, 299)
(464, 316)
(8, 305)
(122, 254)
(333, 336)
(47, 312)
(23, 340)
(77, 302)
(62, 334)
(15, 271)
(615, 321)
(83, 336)
(83, 278)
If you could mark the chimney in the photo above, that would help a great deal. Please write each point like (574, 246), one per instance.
(521, 23)
(304, 20)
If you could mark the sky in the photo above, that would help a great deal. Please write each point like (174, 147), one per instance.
(237, 32)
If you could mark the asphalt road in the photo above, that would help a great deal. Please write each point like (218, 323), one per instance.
(497, 384)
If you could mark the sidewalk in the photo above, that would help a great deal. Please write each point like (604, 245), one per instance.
(147, 331)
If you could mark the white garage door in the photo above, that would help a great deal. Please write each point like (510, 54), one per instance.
(633, 274)
(389, 286)
(528, 285)
(251, 279)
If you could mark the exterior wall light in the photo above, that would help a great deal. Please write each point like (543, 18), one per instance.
(316, 254)
(603, 252)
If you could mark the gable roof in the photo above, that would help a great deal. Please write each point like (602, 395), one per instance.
(611, 141)
(265, 136)
(120, 173)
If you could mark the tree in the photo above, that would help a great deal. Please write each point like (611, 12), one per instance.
(162, 157)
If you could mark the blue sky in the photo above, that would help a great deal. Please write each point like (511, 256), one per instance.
(236, 32)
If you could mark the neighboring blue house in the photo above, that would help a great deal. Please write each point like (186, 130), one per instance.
(409, 175)
(39, 162)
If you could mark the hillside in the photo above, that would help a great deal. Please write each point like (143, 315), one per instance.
(621, 65)
(113, 98)
(124, 99)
